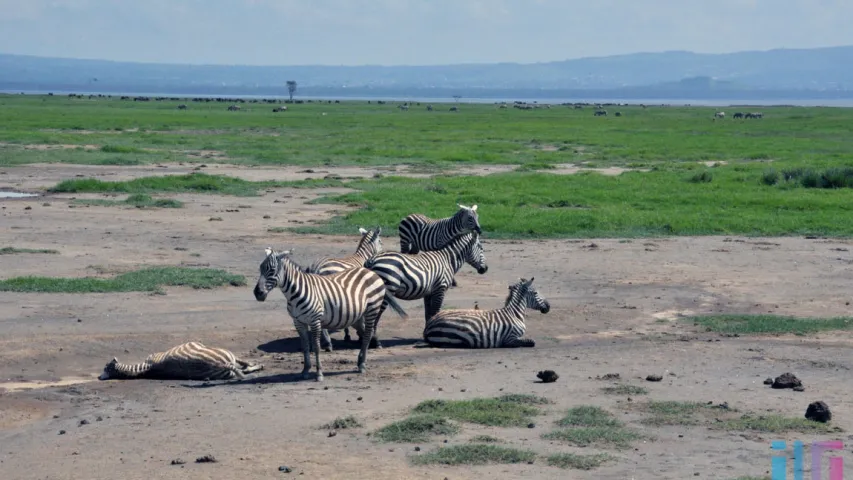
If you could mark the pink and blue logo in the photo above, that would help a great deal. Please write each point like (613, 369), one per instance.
(779, 463)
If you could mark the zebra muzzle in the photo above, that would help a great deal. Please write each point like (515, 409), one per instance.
(260, 295)
(482, 270)
(546, 308)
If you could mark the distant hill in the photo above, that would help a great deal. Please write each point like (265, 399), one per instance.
(794, 73)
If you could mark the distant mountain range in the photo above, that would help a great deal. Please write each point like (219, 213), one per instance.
(782, 73)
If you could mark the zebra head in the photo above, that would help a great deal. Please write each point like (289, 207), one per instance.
(110, 370)
(468, 219)
(475, 255)
(272, 273)
(529, 296)
(371, 242)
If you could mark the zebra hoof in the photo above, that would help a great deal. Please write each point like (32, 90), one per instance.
(328, 349)
(306, 375)
(362, 368)
(319, 377)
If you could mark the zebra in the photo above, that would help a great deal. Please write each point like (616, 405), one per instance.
(499, 328)
(188, 361)
(369, 245)
(419, 232)
(428, 275)
(331, 301)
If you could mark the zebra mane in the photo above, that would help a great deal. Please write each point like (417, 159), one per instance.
(518, 288)
(368, 236)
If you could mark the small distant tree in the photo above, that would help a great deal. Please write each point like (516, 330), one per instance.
(291, 88)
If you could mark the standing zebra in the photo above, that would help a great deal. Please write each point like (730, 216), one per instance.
(369, 245)
(499, 328)
(421, 233)
(428, 275)
(331, 301)
(188, 361)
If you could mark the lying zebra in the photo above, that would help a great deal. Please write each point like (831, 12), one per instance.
(428, 275)
(334, 301)
(499, 328)
(188, 361)
(369, 245)
(421, 233)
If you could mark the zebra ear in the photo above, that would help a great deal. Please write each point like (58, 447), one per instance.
(362, 231)
(378, 230)
(531, 280)
(268, 251)
(474, 208)
(462, 206)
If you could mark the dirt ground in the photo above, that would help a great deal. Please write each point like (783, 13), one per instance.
(614, 309)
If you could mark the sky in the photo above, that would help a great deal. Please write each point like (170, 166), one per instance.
(410, 32)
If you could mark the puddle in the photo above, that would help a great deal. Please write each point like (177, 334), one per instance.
(17, 195)
(20, 386)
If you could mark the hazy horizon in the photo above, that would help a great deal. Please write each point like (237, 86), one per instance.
(410, 32)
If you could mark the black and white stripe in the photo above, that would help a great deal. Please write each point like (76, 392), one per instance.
(428, 275)
(188, 361)
(369, 245)
(419, 233)
(499, 328)
(331, 301)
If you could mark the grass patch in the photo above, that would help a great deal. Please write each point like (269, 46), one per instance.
(617, 437)
(120, 149)
(415, 429)
(623, 389)
(770, 324)
(484, 439)
(475, 455)
(590, 425)
(775, 424)
(578, 462)
(342, 423)
(15, 250)
(506, 411)
(672, 413)
(138, 200)
(190, 183)
(145, 280)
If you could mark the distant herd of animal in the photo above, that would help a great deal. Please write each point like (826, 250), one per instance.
(335, 294)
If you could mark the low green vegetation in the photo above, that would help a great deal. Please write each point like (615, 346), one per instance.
(342, 423)
(775, 424)
(138, 200)
(590, 425)
(485, 439)
(504, 411)
(623, 389)
(190, 183)
(578, 462)
(477, 454)
(831, 177)
(673, 413)
(770, 324)
(15, 250)
(416, 429)
(145, 280)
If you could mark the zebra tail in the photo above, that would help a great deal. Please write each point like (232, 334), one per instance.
(392, 302)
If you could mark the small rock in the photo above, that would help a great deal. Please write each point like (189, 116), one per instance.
(83, 422)
(818, 412)
(28, 208)
(99, 419)
(332, 433)
(360, 398)
(79, 320)
(768, 381)
(417, 449)
(215, 219)
(463, 390)
(786, 380)
(799, 388)
(267, 217)
(62, 432)
(654, 378)
(206, 459)
(608, 376)
(178, 461)
(531, 425)
(285, 469)
(547, 376)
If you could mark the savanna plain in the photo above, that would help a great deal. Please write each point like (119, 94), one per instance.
(686, 259)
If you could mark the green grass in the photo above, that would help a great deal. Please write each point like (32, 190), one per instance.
(623, 389)
(15, 250)
(138, 200)
(673, 413)
(342, 423)
(474, 455)
(505, 411)
(770, 324)
(590, 425)
(484, 439)
(416, 429)
(145, 280)
(775, 424)
(578, 462)
(190, 183)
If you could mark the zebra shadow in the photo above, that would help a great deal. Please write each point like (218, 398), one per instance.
(294, 377)
(294, 345)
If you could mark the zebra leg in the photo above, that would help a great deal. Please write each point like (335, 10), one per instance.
(433, 302)
(347, 337)
(453, 283)
(519, 343)
(369, 321)
(327, 339)
(316, 333)
(306, 360)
